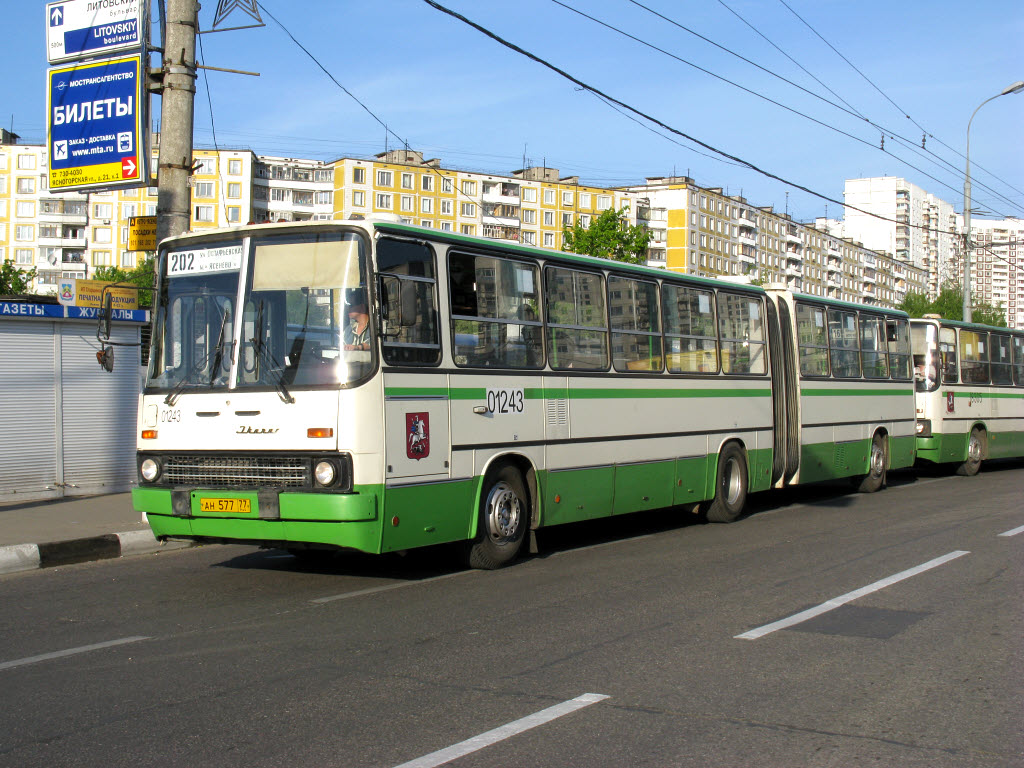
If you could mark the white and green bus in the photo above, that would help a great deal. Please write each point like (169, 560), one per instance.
(970, 392)
(374, 386)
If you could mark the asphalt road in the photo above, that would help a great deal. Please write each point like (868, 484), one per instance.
(692, 641)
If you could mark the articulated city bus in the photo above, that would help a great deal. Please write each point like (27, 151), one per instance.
(374, 386)
(970, 392)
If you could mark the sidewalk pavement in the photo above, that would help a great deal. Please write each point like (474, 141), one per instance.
(41, 534)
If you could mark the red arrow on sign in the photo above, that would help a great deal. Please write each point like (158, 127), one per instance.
(127, 167)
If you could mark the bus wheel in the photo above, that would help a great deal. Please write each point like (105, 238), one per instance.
(875, 478)
(975, 450)
(504, 516)
(730, 486)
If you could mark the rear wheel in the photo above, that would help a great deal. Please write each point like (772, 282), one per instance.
(877, 462)
(730, 486)
(975, 451)
(504, 516)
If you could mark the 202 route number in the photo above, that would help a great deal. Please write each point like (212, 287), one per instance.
(505, 401)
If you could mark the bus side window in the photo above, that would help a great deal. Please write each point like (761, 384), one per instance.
(415, 341)
(1018, 360)
(947, 348)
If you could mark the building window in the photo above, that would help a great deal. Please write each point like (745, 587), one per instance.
(23, 256)
(407, 181)
(358, 198)
(234, 190)
(234, 214)
(384, 201)
(101, 258)
(384, 179)
(280, 195)
(566, 198)
(324, 198)
(467, 209)
(549, 197)
(467, 229)
(530, 238)
(529, 216)
(101, 235)
(128, 259)
(26, 162)
(26, 186)
(584, 199)
(446, 207)
(235, 167)
(469, 187)
(24, 232)
(323, 174)
(103, 211)
(358, 175)
(206, 166)
(604, 202)
(549, 218)
(204, 189)
(446, 226)
(549, 239)
(529, 195)
(426, 204)
(408, 203)
(566, 219)
(447, 185)
(427, 183)
(203, 212)
(25, 208)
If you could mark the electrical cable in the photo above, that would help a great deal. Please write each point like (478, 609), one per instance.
(661, 124)
(897, 106)
(906, 143)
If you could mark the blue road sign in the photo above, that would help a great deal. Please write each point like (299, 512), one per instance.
(78, 29)
(95, 116)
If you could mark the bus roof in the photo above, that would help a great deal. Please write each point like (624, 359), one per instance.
(962, 324)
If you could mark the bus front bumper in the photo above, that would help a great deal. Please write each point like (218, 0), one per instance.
(345, 520)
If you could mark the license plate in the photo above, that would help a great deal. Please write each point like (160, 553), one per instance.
(231, 506)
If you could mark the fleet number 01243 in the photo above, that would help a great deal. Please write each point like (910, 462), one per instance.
(505, 401)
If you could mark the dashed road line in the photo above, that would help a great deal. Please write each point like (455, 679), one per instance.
(835, 602)
(503, 732)
(1013, 532)
(70, 652)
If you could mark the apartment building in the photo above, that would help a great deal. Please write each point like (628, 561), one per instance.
(997, 265)
(916, 226)
(695, 230)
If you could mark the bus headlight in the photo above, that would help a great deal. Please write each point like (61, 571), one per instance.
(924, 427)
(325, 473)
(150, 470)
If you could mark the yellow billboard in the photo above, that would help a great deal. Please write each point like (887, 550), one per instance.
(72, 292)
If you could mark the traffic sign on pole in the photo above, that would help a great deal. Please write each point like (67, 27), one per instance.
(96, 114)
(79, 29)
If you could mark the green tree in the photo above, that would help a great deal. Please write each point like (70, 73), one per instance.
(141, 275)
(14, 280)
(949, 304)
(609, 236)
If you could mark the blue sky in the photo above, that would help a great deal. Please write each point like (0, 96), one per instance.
(446, 89)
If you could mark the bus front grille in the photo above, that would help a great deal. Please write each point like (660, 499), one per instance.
(237, 471)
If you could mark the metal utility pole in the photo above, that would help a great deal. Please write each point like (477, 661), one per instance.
(176, 113)
(1014, 88)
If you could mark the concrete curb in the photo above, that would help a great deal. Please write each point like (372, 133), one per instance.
(26, 557)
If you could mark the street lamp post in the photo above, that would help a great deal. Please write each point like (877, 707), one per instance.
(1015, 88)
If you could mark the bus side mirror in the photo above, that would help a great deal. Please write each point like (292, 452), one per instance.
(106, 315)
(105, 357)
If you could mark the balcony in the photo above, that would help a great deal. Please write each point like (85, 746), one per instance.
(61, 242)
(504, 193)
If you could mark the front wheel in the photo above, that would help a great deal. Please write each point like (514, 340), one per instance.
(975, 451)
(504, 515)
(730, 486)
(877, 462)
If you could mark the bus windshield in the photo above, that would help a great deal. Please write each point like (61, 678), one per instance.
(303, 320)
(924, 343)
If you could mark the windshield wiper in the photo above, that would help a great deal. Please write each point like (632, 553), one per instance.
(218, 351)
(264, 356)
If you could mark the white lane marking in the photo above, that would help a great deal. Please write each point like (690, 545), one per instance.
(387, 588)
(71, 652)
(503, 732)
(1013, 532)
(835, 602)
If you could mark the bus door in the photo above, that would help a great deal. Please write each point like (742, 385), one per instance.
(416, 406)
(785, 391)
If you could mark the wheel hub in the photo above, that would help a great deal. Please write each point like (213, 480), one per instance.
(504, 510)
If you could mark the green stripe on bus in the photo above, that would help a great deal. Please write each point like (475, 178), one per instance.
(986, 395)
(541, 393)
(894, 391)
